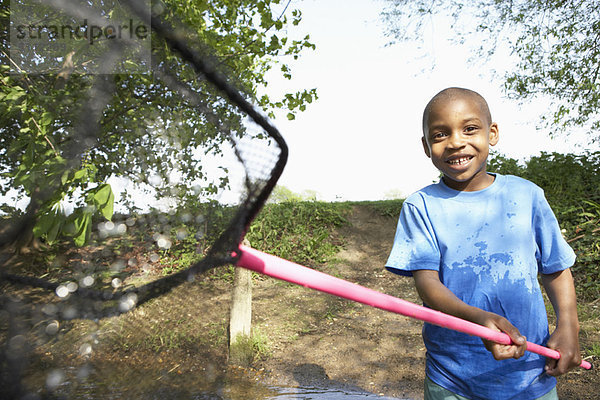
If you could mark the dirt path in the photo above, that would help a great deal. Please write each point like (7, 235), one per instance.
(325, 340)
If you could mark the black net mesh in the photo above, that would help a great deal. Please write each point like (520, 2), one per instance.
(204, 150)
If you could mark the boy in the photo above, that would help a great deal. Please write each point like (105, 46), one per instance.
(474, 244)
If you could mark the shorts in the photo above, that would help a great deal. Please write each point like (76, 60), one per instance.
(433, 391)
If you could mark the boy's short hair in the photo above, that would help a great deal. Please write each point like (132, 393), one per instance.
(453, 93)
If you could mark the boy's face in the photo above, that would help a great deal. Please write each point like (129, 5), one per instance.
(457, 136)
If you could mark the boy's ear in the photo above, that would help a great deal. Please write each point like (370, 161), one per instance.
(494, 134)
(425, 146)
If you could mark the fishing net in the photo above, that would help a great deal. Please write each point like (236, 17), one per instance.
(58, 307)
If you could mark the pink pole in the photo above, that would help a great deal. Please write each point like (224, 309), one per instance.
(291, 272)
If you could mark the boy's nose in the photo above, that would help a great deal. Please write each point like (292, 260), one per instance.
(456, 140)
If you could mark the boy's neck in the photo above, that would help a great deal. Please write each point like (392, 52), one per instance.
(472, 185)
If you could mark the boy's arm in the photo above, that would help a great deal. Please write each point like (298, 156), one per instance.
(565, 338)
(439, 297)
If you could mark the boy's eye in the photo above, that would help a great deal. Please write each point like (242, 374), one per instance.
(438, 135)
(470, 128)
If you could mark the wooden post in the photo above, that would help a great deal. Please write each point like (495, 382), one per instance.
(240, 319)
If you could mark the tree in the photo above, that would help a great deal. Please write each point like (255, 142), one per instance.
(65, 132)
(556, 44)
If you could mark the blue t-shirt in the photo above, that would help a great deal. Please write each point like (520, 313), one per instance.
(488, 247)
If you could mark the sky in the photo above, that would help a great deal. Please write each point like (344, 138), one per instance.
(361, 139)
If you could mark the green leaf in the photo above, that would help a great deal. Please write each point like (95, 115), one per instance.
(65, 177)
(46, 119)
(104, 199)
(80, 174)
(49, 226)
(15, 94)
(83, 227)
(54, 230)
(291, 116)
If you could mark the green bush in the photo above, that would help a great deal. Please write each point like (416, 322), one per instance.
(299, 231)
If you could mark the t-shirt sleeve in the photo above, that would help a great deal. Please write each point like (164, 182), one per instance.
(415, 246)
(553, 253)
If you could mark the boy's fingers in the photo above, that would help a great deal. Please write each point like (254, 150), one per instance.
(517, 338)
(520, 351)
(557, 367)
(512, 332)
(550, 366)
(504, 351)
(517, 349)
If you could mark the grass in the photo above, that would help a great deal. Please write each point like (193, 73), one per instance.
(594, 350)
(247, 349)
(299, 231)
(336, 307)
(260, 344)
(167, 339)
(386, 208)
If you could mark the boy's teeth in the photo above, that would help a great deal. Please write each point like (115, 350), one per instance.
(459, 161)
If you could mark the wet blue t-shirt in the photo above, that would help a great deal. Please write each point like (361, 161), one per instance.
(488, 247)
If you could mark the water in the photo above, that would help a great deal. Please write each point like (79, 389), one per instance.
(316, 393)
(88, 383)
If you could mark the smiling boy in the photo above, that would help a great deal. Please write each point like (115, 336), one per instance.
(474, 244)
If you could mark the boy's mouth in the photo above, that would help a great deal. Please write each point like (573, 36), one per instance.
(459, 160)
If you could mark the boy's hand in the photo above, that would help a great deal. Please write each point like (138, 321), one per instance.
(567, 344)
(501, 324)
(439, 297)
(565, 339)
